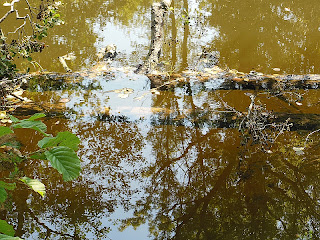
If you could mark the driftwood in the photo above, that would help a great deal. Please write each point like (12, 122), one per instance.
(158, 17)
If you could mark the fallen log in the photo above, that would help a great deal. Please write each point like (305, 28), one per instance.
(232, 79)
(308, 122)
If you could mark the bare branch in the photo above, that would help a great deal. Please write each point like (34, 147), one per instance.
(10, 11)
(307, 138)
(6, 15)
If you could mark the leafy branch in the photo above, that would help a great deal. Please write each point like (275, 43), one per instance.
(22, 41)
(58, 150)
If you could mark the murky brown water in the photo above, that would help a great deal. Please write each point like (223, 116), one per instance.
(174, 162)
(257, 34)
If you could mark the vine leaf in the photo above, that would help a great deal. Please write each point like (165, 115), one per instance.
(6, 228)
(35, 185)
(65, 160)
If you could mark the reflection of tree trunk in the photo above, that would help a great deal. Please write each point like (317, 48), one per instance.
(158, 14)
(184, 53)
(204, 201)
(174, 39)
(21, 209)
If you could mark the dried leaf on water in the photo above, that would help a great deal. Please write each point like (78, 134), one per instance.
(124, 90)
(123, 95)
(18, 93)
(3, 114)
(5, 121)
(69, 56)
(155, 91)
(64, 100)
(298, 150)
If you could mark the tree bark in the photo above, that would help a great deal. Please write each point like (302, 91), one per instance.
(158, 18)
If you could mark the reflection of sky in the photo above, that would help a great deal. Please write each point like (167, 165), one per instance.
(128, 40)
(90, 102)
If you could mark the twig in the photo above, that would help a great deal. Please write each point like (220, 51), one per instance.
(46, 227)
(64, 64)
(16, 96)
(307, 138)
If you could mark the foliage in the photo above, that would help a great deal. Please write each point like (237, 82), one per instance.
(59, 150)
(25, 39)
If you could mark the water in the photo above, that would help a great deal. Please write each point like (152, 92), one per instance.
(173, 163)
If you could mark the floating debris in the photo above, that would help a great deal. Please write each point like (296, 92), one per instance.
(124, 92)
(64, 100)
(298, 150)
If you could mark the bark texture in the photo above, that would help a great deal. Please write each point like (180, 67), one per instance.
(158, 18)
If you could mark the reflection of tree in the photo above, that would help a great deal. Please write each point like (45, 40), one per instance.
(125, 11)
(269, 33)
(203, 184)
(110, 152)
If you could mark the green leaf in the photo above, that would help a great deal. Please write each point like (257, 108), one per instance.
(44, 141)
(35, 185)
(66, 139)
(14, 119)
(3, 195)
(5, 131)
(36, 116)
(6, 237)
(6, 228)
(8, 186)
(66, 161)
(38, 156)
(36, 125)
(29, 59)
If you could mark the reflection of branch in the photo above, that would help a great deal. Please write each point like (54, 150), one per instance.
(205, 200)
(296, 186)
(309, 135)
(29, 6)
(10, 11)
(278, 219)
(47, 228)
(190, 145)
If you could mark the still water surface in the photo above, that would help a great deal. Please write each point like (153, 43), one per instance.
(172, 164)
